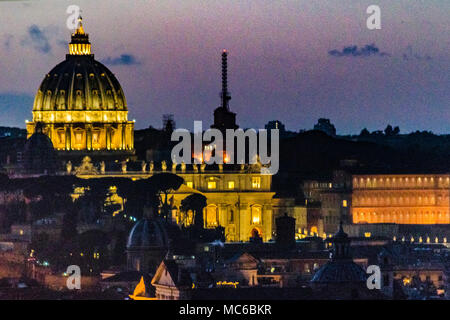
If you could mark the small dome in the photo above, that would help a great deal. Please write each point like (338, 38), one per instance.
(39, 156)
(340, 271)
(148, 233)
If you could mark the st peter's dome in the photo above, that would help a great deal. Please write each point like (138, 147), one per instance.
(81, 105)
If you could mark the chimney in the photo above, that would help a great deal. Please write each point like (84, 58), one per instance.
(285, 227)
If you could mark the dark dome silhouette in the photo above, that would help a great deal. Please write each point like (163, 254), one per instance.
(340, 271)
(341, 268)
(148, 233)
(39, 156)
(149, 241)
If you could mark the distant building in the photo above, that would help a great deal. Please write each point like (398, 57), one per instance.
(332, 200)
(401, 198)
(326, 126)
(275, 124)
(412, 271)
(341, 277)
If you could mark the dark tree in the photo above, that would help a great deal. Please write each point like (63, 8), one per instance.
(388, 131)
(195, 202)
(364, 132)
(165, 183)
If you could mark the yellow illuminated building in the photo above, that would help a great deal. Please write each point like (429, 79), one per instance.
(81, 105)
(246, 210)
(401, 199)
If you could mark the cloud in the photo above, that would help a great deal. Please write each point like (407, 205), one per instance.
(353, 51)
(62, 43)
(122, 60)
(410, 55)
(37, 39)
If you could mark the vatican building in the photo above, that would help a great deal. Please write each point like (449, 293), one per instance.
(403, 199)
(80, 109)
(81, 106)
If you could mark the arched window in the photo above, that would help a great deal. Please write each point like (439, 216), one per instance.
(212, 219)
(256, 214)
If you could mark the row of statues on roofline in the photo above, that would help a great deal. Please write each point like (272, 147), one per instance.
(87, 167)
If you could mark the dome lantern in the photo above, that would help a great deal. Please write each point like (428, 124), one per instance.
(80, 44)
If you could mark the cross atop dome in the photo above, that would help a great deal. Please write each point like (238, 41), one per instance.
(80, 29)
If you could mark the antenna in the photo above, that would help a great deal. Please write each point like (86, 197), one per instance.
(225, 95)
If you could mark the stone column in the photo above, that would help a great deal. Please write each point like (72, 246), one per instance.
(68, 137)
(89, 137)
(108, 136)
(131, 137)
(242, 222)
(124, 137)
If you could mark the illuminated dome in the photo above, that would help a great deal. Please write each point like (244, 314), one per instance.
(80, 83)
(81, 105)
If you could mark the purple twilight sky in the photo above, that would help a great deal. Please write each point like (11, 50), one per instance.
(286, 59)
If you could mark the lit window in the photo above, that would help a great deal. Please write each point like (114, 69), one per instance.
(256, 215)
(230, 184)
(211, 216)
(190, 184)
(367, 234)
(21, 232)
(95, 137)
(211, 184)
(344, 203)
(256, 182)
(306, 267)
(78, 137)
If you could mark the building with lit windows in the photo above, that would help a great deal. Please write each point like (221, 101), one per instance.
(401, 199)
(240, 201)
(328, 202)
(82, 107)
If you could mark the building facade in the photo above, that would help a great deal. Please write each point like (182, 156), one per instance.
(241, 201)
(401, 199)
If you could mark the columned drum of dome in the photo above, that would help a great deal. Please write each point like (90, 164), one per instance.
(82, 107)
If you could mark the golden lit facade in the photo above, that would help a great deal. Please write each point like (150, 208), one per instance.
(401, 199)
(240, 201)
(81, 105)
